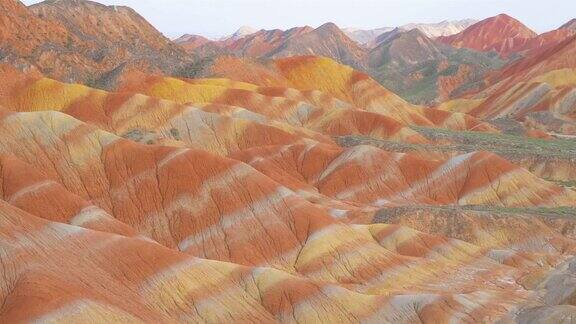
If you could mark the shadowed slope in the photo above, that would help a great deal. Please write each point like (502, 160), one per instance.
(424, 70)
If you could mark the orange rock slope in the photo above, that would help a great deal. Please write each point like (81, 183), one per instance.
(138, 251)
(84, 41)
(212, 200)
(321, 79)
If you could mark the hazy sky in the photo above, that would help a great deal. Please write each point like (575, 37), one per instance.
(215, 18)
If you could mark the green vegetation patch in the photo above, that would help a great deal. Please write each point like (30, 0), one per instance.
(506, 145)
(385, 214)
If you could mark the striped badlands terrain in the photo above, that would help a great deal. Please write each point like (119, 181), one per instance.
(133, 220)
(382, 178)
(217, 200)
(343, 83)
(539, 90)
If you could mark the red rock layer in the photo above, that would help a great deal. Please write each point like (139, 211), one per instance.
(367, 175)
(502, 34)
(295, 256)
(538, 90)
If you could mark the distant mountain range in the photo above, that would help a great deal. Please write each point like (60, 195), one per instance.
(538, 90)
(407, 61)
(366, 36)
(241, 33)
(432, 30)
(424, 70)
(424, 63)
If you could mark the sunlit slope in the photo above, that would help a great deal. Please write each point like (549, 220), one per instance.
(135, 184)
(149, 120)
(368, 175)
(212, 207)
(321, 82)
(105, 287)
(365, 93)
(314, 110)
(196, 108)
(249, 195)
(538, 90)
(240, 119)
(323, 75)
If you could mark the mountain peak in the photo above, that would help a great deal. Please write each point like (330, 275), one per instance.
(503, 16)
(500, 33)
(399, 33)
(570, 25)
(242, 32)
(329, 26)
(432, 30)
(331, 29)
(78, 3)
(415, 32)
(414, 39)
(115, 33)
(188, 39)
(506, 25)
(191, 42)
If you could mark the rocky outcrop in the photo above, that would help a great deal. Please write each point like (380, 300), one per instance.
(84, 41)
